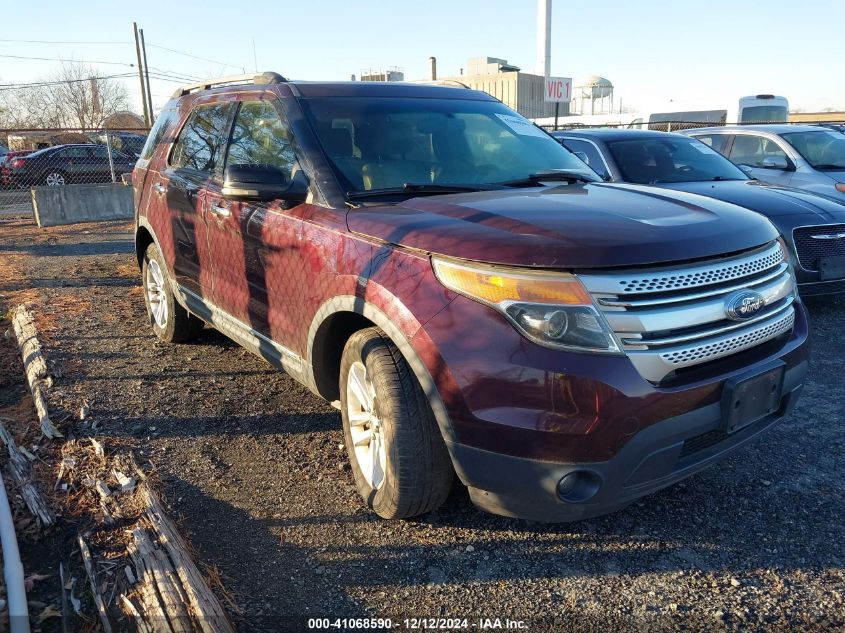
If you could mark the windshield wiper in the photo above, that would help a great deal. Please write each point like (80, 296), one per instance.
(562, 175)
(418, 188)
(829, 167)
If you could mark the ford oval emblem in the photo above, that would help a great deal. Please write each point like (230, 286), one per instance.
(743, 305)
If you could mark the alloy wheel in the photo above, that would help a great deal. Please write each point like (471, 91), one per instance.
(156, 296)
(365, 427)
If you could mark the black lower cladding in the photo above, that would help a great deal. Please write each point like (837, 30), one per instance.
(656, 457)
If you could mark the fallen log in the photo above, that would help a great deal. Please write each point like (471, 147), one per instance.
(174, 594)
(35, 367)
(18, 470)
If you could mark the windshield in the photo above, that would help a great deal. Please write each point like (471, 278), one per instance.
(385, 143)
(655, 160)
(764, 114)
(823, 149)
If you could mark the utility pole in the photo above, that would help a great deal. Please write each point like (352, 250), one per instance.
(141, 76)
(147, 77)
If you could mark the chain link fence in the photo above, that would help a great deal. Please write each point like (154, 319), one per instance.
(59, 157)
(670, 126)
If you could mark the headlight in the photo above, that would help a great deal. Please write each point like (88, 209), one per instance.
(552, 309)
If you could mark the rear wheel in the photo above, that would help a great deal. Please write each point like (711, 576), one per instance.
(398, 457)
(54, 178)
(171, 322)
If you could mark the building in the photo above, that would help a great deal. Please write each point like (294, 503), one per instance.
(520, 91)
(391, 74)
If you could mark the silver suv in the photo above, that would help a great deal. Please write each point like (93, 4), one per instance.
(805, 156)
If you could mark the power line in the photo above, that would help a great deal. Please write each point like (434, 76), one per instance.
(39, 84)
(205, 59)
(70, 61)
(56, 42)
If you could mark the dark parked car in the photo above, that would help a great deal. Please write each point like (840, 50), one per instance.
(65, 164)
(470, 295)
(812, 226)
(5, 169)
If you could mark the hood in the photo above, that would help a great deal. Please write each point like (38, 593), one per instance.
(770, 200)
(570, 226)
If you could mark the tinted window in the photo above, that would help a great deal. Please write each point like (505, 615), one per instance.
(593, 156)
(260, 137)
(74, 152)
(658, 160)
(100, 152)
(757, 151)
(164, 121)
(380, 143)
(764, 114)
(824, 150)
(201, 141)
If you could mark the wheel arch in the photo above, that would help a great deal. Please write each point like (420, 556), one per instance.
(339, 318)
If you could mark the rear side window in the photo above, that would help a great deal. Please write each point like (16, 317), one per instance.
(715, 141)
(164, 121)
(202, 139)
(594, 158)
(260, 137)
(74, 152)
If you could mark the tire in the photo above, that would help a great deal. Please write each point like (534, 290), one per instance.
(54, 178)
(170, 321)
(416, 472)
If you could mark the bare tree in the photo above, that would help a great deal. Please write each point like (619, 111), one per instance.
(76, 96)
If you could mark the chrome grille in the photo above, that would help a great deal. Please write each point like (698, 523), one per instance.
(669, 318)
(813, 242)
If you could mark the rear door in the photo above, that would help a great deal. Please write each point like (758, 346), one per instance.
(255, 246)
(179, 188)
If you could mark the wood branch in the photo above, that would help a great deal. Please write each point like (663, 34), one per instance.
(150, 600)
(98, 599)
(130, 609)
(18, 469)
(203, 604)
(35, 367)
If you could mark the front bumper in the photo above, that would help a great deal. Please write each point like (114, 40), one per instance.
(654, 458)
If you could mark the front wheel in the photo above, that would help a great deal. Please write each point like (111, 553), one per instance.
(398, 457)
(171, 322)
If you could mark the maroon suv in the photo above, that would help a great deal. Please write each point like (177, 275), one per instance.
(470, 294)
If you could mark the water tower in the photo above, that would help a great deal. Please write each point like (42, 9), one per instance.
(592, 89)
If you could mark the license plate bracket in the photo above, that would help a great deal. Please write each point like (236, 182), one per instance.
(831, 268)
(750, 399)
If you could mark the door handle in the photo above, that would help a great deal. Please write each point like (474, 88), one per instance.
(159, 188)
(221, 212)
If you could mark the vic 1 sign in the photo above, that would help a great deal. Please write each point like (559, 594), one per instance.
(558, 89)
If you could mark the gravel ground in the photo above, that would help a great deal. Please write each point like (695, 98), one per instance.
(253, 464)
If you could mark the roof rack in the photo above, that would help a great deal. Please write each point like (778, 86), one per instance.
(442, 82)
(259, 79)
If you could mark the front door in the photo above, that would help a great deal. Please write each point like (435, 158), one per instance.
(763, 157)
(255, 247)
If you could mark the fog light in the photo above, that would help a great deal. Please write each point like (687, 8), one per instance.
(578, 486)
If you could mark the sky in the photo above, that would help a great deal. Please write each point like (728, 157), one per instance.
(652, 51)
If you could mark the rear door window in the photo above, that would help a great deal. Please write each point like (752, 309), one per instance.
(594, 157)
(715, 141)
(202, 140)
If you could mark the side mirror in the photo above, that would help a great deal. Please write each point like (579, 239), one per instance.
(775, 162)
(583, 156)
(260, 182)
(746, 169)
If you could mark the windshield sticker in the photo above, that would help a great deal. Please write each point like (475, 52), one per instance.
(521, 126)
